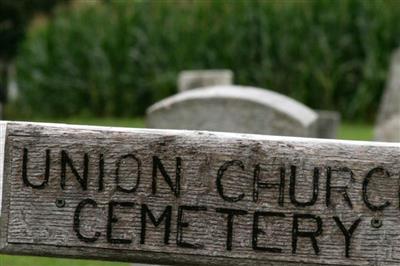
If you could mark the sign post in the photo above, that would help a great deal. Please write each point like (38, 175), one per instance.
(186, 197)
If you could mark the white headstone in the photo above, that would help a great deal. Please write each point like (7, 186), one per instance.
(234, 109)
(389, 130)
(388, 122)
(192, 79)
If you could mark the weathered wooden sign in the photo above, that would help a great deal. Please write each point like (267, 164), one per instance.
(185, 197)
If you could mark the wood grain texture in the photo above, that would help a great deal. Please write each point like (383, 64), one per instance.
(103, 190)
(3, 127)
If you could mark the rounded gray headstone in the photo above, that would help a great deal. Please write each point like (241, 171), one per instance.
(234, 109)
(192, 79)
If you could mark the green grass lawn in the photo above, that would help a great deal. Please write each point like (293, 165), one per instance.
(356, 131)
(347, 131)
(114, 122)
(6, 260)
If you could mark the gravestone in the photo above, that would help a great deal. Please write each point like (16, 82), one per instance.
(327, 124)
(194, 197)
(388, 120)
(234, 109)
(3, 86)
(389, 130)
(192, 79)
(3, 97)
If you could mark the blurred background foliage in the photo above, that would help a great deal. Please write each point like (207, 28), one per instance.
(115, 58)
(90, 62)
(15, 17)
